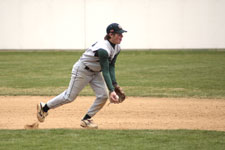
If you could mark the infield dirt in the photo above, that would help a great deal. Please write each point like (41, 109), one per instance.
(134, 113)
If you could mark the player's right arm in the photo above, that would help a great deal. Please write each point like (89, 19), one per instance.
(104, 62)
(112, 70)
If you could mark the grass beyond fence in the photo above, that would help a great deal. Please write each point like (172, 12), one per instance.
(173, 73)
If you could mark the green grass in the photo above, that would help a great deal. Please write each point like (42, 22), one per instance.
(111, 139)
(173, 73)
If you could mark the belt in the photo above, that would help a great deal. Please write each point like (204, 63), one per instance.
(87, 68)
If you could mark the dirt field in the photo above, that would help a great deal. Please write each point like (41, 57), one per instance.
(134, 113)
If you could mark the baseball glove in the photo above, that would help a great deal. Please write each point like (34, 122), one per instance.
(120, 93)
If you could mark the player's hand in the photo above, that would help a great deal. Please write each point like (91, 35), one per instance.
(113, 97)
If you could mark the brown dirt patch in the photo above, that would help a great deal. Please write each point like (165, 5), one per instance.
(134, 113)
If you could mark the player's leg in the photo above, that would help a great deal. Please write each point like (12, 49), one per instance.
(79, 79)
(99, 87)
(70, 94)
(101, 92)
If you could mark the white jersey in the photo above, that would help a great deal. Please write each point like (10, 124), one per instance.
(89, 59)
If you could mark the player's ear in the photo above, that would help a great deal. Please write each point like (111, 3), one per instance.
(110, 34)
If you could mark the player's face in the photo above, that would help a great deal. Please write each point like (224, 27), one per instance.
(116, 38)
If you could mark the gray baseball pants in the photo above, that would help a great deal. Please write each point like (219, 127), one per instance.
(79, 79)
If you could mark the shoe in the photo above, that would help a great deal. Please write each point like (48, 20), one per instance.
(40, 113)
(89, 124)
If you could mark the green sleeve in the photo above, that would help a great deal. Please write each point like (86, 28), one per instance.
(112, 70)
(104, 62)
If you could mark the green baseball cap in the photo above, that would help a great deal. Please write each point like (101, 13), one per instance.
(114, 28)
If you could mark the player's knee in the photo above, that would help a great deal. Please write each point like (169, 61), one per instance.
(103, 96)
(70, 98)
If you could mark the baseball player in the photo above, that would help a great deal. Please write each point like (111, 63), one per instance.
(95, 67)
